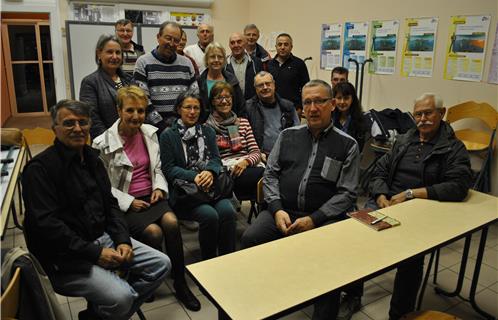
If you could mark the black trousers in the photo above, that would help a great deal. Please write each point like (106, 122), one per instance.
(406, 284)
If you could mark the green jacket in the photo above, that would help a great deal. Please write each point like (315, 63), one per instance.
(173, 159)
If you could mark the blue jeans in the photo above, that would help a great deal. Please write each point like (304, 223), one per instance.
(110, 296)
(217, 222)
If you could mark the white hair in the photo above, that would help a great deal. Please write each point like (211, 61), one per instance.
(438, 101)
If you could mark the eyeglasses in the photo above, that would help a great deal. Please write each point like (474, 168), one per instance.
(264, 84)
(125, 30)
(316, 102)
(71, 123)
(191, 108)
(221, 98)
(426, 113)
(171, 39)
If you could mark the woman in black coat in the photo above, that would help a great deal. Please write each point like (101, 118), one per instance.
(99, 88)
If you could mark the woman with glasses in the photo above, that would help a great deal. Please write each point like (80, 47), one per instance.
(189, 152)
(130, 152)
(215, 60)
(98, 89)
(238, 148)
(348, 115)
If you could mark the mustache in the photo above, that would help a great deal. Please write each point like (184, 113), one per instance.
(423, 123)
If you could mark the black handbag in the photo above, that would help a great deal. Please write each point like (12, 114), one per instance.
(189, 195)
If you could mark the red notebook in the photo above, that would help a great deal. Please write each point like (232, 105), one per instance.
(368, 216)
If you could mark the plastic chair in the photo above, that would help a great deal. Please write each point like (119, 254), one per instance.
(428, 315)
(477, 141)
(10, 299)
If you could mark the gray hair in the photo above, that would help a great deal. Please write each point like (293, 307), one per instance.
(319, 83)
(262, 74)
(438, 101)
(103, 40)
(250, 26)
(77, 107)
(214, 45)
(210, 27)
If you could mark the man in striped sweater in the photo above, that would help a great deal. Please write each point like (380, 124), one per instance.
(164, 75)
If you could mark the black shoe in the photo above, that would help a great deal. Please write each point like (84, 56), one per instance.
(88, 315)
(150, 299)
(349, 305)
(185, 296)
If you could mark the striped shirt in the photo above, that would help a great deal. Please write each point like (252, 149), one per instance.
(249, 151)
(163, 82)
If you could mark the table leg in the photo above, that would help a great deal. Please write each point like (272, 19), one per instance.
(426, 279)
(222, 315)
(461, 273)
(436, 266)
(475, 277)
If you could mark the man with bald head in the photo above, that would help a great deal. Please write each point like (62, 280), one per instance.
(242, 65)
(205, 34)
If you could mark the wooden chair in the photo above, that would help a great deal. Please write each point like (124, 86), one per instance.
(428, 315)
(41, 137)
(10, 298)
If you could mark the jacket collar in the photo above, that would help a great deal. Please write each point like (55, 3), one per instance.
(445, 134)
(114, 140)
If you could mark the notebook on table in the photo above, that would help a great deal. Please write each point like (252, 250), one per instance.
(374, 219)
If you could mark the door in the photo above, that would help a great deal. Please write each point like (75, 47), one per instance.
(27, 51)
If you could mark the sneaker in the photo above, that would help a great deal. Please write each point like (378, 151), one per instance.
(190, 225)
(185, 296)
(349, 305)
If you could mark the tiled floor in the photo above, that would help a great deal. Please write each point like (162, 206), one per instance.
(377, 291)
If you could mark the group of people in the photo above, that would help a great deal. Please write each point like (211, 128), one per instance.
(99, 217)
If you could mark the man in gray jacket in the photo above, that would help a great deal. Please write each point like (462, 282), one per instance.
(310, 180)
(427, 162)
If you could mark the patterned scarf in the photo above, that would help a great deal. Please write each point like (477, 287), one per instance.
(227, 131)
(197, 153)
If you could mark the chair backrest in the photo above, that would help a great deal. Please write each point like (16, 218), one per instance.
(474, 140)
(259, 193)
(429, 315)
(10, 299)
(39, 136)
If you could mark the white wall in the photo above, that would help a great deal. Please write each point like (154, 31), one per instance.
(50, 7)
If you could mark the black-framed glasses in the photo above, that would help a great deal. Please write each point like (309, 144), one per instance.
(316, 102)
(71, 123)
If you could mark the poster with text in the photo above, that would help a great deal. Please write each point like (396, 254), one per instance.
(330, 48)
(383, 46)
(188, 19)
(418, 48)
(355, 43)
(493, 69)
(466, 48)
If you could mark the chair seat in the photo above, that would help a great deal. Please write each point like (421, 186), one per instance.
(428, 315)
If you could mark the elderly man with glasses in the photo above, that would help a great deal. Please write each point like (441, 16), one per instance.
(427, 162)
(310, 180)
(164, 75)
(75, 229)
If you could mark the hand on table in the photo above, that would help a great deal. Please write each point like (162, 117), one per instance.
(382, 201)
(301, 225)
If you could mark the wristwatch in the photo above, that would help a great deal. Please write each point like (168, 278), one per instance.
(409, 194)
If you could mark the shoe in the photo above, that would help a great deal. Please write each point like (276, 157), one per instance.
(349, 305)
(190, 225)
(150, 299)
(88, 315)
(185, 296)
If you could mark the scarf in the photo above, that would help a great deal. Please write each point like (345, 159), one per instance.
(197, 153)
(227, 131)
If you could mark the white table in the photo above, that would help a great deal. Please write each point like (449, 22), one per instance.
(273, 279)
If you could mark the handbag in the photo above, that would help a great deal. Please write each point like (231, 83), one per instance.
(189, 195)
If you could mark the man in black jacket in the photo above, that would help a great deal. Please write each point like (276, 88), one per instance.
(427, 162)
(268, 113)
(74, 227)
